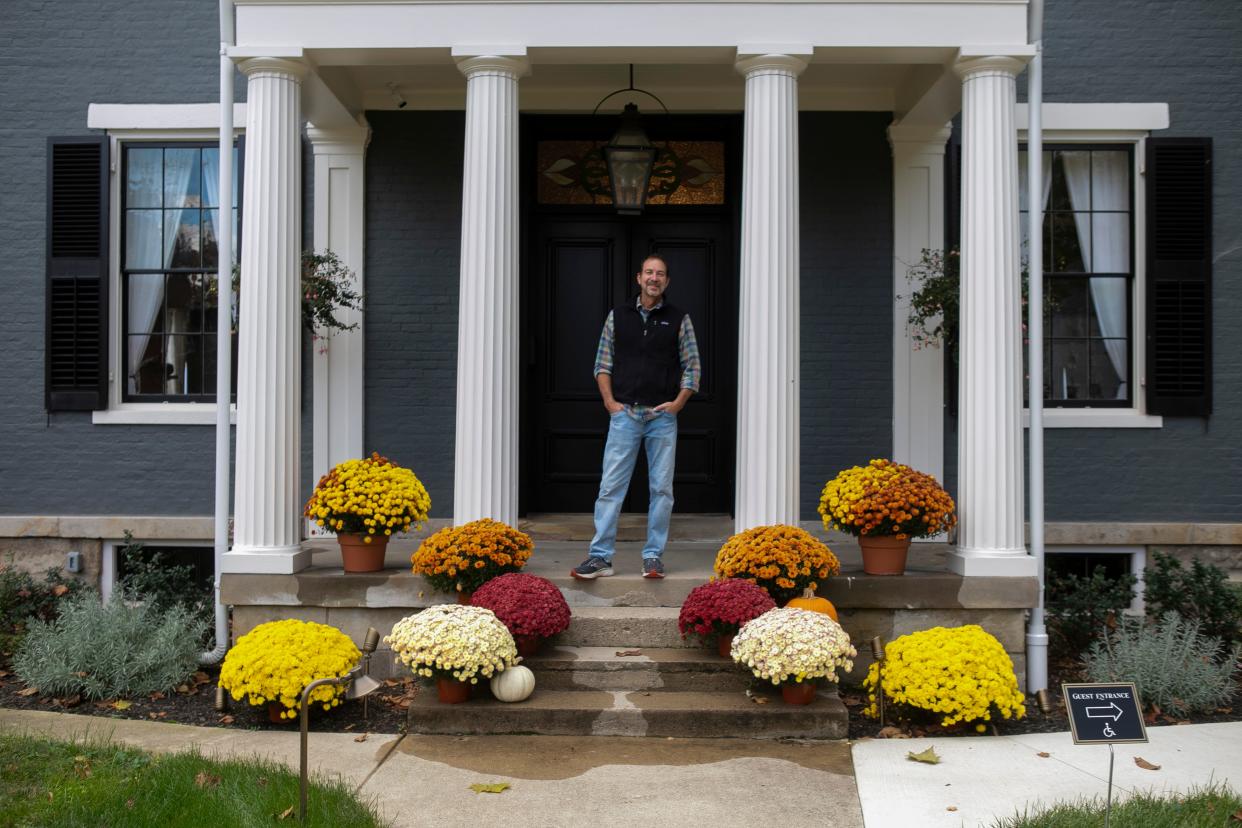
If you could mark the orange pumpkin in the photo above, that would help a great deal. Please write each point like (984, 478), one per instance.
(810, 601)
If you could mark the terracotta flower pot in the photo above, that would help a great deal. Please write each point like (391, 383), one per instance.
(464, 597)
(883, 554)
(528, 645)
(359, 556)
(275, 713)
(724, 645)
(798, 692)
(452, 691)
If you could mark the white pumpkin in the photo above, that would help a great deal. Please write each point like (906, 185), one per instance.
(514, 684)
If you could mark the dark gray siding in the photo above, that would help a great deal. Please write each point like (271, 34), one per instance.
(414, 167)
(55, 59)
(847, 286)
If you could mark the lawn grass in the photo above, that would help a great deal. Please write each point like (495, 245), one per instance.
(1212, 806)
(99, 783)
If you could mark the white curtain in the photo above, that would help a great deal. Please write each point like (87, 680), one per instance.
(1104, 243)
(144, 304)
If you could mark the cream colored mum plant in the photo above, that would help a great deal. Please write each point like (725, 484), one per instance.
(453, 641)
(788, 645)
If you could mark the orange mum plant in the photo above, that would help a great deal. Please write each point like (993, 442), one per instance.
(886, 498)
(782, 559)
(463, 558)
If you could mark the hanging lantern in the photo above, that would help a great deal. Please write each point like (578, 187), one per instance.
(630, 157)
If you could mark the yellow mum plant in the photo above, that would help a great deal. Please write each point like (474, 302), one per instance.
(369, 497)
(886, 498)
(275, 661)
(793, 645)
(782, 559)
(453, 641)
(463, 558)
(961, 674)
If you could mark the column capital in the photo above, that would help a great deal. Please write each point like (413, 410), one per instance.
(295, 70)
(970, 66)
(928, 139)
(777, 60)
(340, 140)
(513, 64)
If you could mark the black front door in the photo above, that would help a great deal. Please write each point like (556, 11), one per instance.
(581, 266)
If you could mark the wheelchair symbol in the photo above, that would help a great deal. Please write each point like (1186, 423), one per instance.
(1108, 731)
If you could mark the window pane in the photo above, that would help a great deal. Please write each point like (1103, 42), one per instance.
(1110, 301)
(184, 304)
(1068, 370)
(144, 177)
(1108, 369)
(209, 364)
(1069, 308)
(144, 303)
(146, 364)
(181, 239)
(1066, 251)
(1110, 234)
(1110, 180)
(143, 239)
(185, 365)
(182, 179)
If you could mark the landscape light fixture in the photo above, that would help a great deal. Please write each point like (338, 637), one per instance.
(629, 154)
(877, 652)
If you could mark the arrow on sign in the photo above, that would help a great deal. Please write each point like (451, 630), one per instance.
(1111, 712)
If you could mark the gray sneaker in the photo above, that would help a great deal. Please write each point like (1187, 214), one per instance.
(592, 568)
(653, 568)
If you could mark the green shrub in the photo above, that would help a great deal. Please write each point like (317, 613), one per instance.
(1079, 609)
(1170, 662)
(24, 599)
(108, 650)
(154, 579)
(1202, 592)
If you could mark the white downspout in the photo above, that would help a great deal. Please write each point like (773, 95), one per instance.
(1037, 632)
(224, 324)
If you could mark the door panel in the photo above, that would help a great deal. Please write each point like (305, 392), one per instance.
(581, 268)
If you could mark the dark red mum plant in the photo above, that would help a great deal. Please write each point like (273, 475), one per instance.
(526, 604)
(722, 607)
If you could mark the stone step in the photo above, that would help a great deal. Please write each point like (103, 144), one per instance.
(638, 713)
(624, 628)
(665, 669)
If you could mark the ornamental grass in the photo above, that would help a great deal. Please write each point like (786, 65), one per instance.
(275, 661)
(886, 498)
(960, 674)
(453, 641)
(525, 604)
(782, 559)
(788, 645)
(463, 558)
(369, 497)
(719, 608)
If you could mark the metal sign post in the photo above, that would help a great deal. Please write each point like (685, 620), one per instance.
(1105, 714)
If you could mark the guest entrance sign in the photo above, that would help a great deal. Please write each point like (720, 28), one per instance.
(1105, 714)
(1102, 714)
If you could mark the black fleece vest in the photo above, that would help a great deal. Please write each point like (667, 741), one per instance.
(646, 367)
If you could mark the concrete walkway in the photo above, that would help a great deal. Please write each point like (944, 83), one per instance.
(602, 781)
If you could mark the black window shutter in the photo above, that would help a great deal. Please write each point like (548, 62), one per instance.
(1179, 276)
(76, 326)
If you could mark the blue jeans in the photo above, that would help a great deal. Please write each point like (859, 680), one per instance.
(626, 432)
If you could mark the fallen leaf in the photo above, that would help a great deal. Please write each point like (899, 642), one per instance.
(201, 678)
(70, 701)
(81, 674)
(759, 699)
(1144, 764)
(129, 804)
(493, 787)
(951, 808)
(361, 737)
(226, 719)
(59, 590)
(1225, 710)
(29, 691)
(929, 756)
(1043, 754)
(262, 780)
(851, 700)
(629, 652)
(891, 732)
(5, 673)
(1237, 815)
(391, 682)
(286, 813)
(183, 688)
(203, 779)
(82, 767)
(121, 704)
(156, 696)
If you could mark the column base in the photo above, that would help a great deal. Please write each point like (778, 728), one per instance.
(992, 563)
(265, 560)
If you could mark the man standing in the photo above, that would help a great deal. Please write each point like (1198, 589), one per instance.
(647, 367)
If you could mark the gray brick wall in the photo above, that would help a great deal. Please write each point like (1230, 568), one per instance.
(414, 166)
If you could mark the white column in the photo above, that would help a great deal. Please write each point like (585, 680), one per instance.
(338, 363)
(918, 224)
(768, 354)
(485, 476)
(990, 452)
(267, 513)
